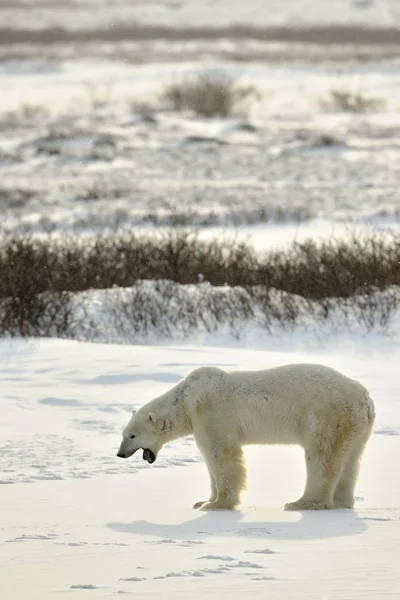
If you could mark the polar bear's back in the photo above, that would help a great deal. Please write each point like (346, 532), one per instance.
(280, 404)
(297, 383)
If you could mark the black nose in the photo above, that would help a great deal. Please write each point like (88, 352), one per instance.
(121, 455)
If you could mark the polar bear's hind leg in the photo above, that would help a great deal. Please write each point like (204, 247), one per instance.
(325, 465)
(344, 493)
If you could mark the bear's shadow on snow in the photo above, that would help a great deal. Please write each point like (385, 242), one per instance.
(310, 525)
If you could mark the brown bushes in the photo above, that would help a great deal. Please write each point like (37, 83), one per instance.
(40, 276)
(208, 96)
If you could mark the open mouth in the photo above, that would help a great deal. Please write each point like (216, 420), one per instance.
(149, 455)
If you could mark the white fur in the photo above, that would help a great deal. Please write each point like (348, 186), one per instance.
(316, 407)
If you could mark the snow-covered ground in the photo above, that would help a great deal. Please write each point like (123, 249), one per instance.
(77, 522)
(80, 155)
(88, 141)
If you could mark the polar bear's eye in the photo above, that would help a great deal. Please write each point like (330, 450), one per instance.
(132, 436)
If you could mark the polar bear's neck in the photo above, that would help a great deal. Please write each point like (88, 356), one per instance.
(181, 425)
(175, 413)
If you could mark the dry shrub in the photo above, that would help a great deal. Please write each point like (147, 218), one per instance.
(30, 304)
(337, 268)
(229, 281)
(25, 114)
(166, 308)
(50, 314)
(351, 101)
(330, 268)
(208, 96)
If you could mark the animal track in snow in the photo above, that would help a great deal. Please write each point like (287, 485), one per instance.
(266, 551)
(220, 570)
(215, 557)
(250, 532)
(194, 573)
(73, 544)
(158, 542)
(27, 538)
(216, 571)
(245, 563)
(90, 544)
(189, 543)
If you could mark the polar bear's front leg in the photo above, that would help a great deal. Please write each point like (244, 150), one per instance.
(225, 463)
(213, 495)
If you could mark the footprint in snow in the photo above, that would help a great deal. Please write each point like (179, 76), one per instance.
(244, 563)
(84, 586)
(231, 564)
(74, 544)
(157, 542)
(216, 571)
(189, 543)
(26, 538)
(215, 557)
(195, 573)
(266, 551)
(250, 532)
(220, 570)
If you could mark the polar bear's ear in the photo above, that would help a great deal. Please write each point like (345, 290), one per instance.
(161, 424)
(133, 411)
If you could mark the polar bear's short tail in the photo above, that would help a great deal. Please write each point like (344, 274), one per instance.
(371, 415)
(371, 410)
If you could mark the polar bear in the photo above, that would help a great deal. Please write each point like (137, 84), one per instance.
(310, 405)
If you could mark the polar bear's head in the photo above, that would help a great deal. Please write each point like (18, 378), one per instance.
(144, 431)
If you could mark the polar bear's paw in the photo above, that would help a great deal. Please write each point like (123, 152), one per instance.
(342, 503)
(199, 504)
(343, 499)
(308, 504)
(217, 505)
